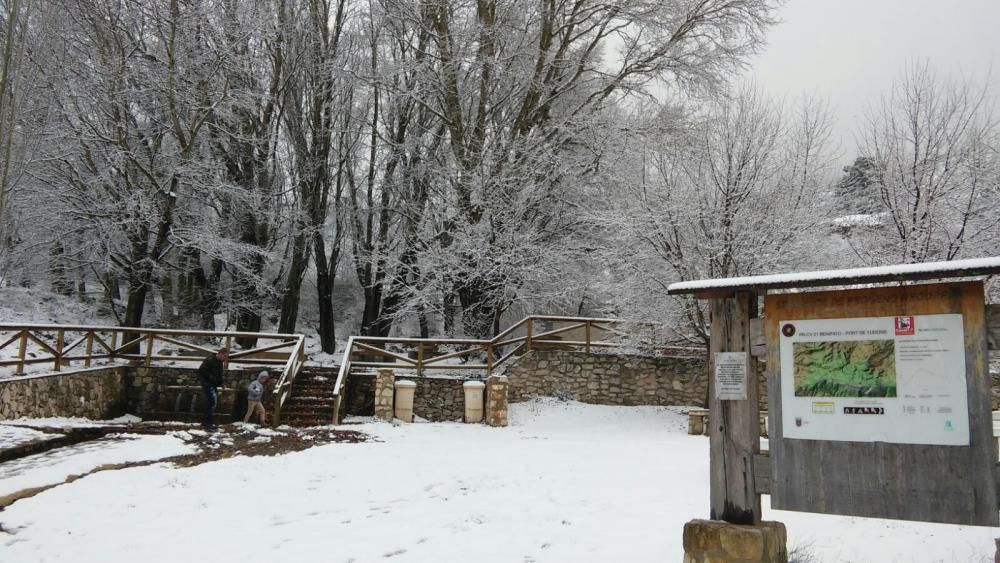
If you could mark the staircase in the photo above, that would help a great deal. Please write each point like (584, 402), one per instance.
(311, 401)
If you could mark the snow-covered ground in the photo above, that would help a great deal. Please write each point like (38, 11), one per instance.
(565, 482)
(12, 436)
(56, 465)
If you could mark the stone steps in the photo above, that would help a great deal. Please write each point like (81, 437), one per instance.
(311, 401)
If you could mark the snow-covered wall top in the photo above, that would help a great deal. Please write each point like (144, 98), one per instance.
(898, 272)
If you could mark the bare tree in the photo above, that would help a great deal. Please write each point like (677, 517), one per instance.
(728, 194)
(931, 145)
(517, 80)
(14, 39)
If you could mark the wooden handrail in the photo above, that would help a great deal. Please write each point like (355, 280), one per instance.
(492, 348)
(142, 330)
(283, 388)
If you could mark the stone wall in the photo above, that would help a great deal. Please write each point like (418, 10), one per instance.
(609, 379)
(161, 393)
(439, 399)
(96, 393)
(359, 394)
(174, 393)
(436, 398)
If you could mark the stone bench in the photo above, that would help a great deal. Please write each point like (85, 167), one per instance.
(698, 422)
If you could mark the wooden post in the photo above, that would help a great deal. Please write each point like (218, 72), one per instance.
(114, 344)
(60, 334)
(21, 349)
(489, 360)
(90, 348)
(149, 349)
(586, 340)
(734, 427)
(420, 359)
(336, 409)
(229, 346)
(527, 341)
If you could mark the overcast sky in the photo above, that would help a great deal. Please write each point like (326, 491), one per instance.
(849, 51)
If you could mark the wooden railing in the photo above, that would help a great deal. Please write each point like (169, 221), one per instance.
(61, 345)
(422, 354)
(283, 389)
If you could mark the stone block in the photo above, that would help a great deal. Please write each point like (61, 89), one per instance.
(712, 540)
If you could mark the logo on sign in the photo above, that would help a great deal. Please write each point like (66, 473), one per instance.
(788, 330)
(948, 427)
(905, 326)
(798, 421)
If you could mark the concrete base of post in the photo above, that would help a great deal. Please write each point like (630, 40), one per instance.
(403, 407)
(707, 541)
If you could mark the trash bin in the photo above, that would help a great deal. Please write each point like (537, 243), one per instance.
(474, 391)
(404, 400)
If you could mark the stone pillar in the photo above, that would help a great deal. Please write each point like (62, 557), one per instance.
(707, 541)
(385, 381)
(496, 400)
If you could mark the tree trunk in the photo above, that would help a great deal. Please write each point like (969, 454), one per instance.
(478, 309)
(293, 285)
(325, 277)
(57, 271)
(249, 301)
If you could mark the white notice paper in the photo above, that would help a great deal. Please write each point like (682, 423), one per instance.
(878, 379)
(731, 376)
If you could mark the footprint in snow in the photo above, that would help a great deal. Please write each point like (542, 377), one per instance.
(394, 553)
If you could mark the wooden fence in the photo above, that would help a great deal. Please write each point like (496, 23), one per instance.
(60, 345)
(422, 354)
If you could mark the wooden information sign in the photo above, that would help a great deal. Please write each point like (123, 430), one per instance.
(888, 399)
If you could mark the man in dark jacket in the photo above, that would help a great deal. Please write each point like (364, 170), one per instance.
(210, 377)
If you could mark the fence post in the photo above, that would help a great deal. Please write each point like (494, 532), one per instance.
(420, 358)
(149, 349)
(59, 348)
(229, 346)
(114, 344)
(586, 329)
(489, 359)
(90, 348)
(527, 342)
(21, 348)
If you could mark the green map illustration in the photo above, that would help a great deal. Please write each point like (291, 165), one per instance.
(859, 368)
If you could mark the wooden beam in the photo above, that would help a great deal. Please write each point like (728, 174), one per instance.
(762, 473)
(993, 326)
(386, 353)
(89, 351)
(734, 427)
(21, 349)
(758, 338)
